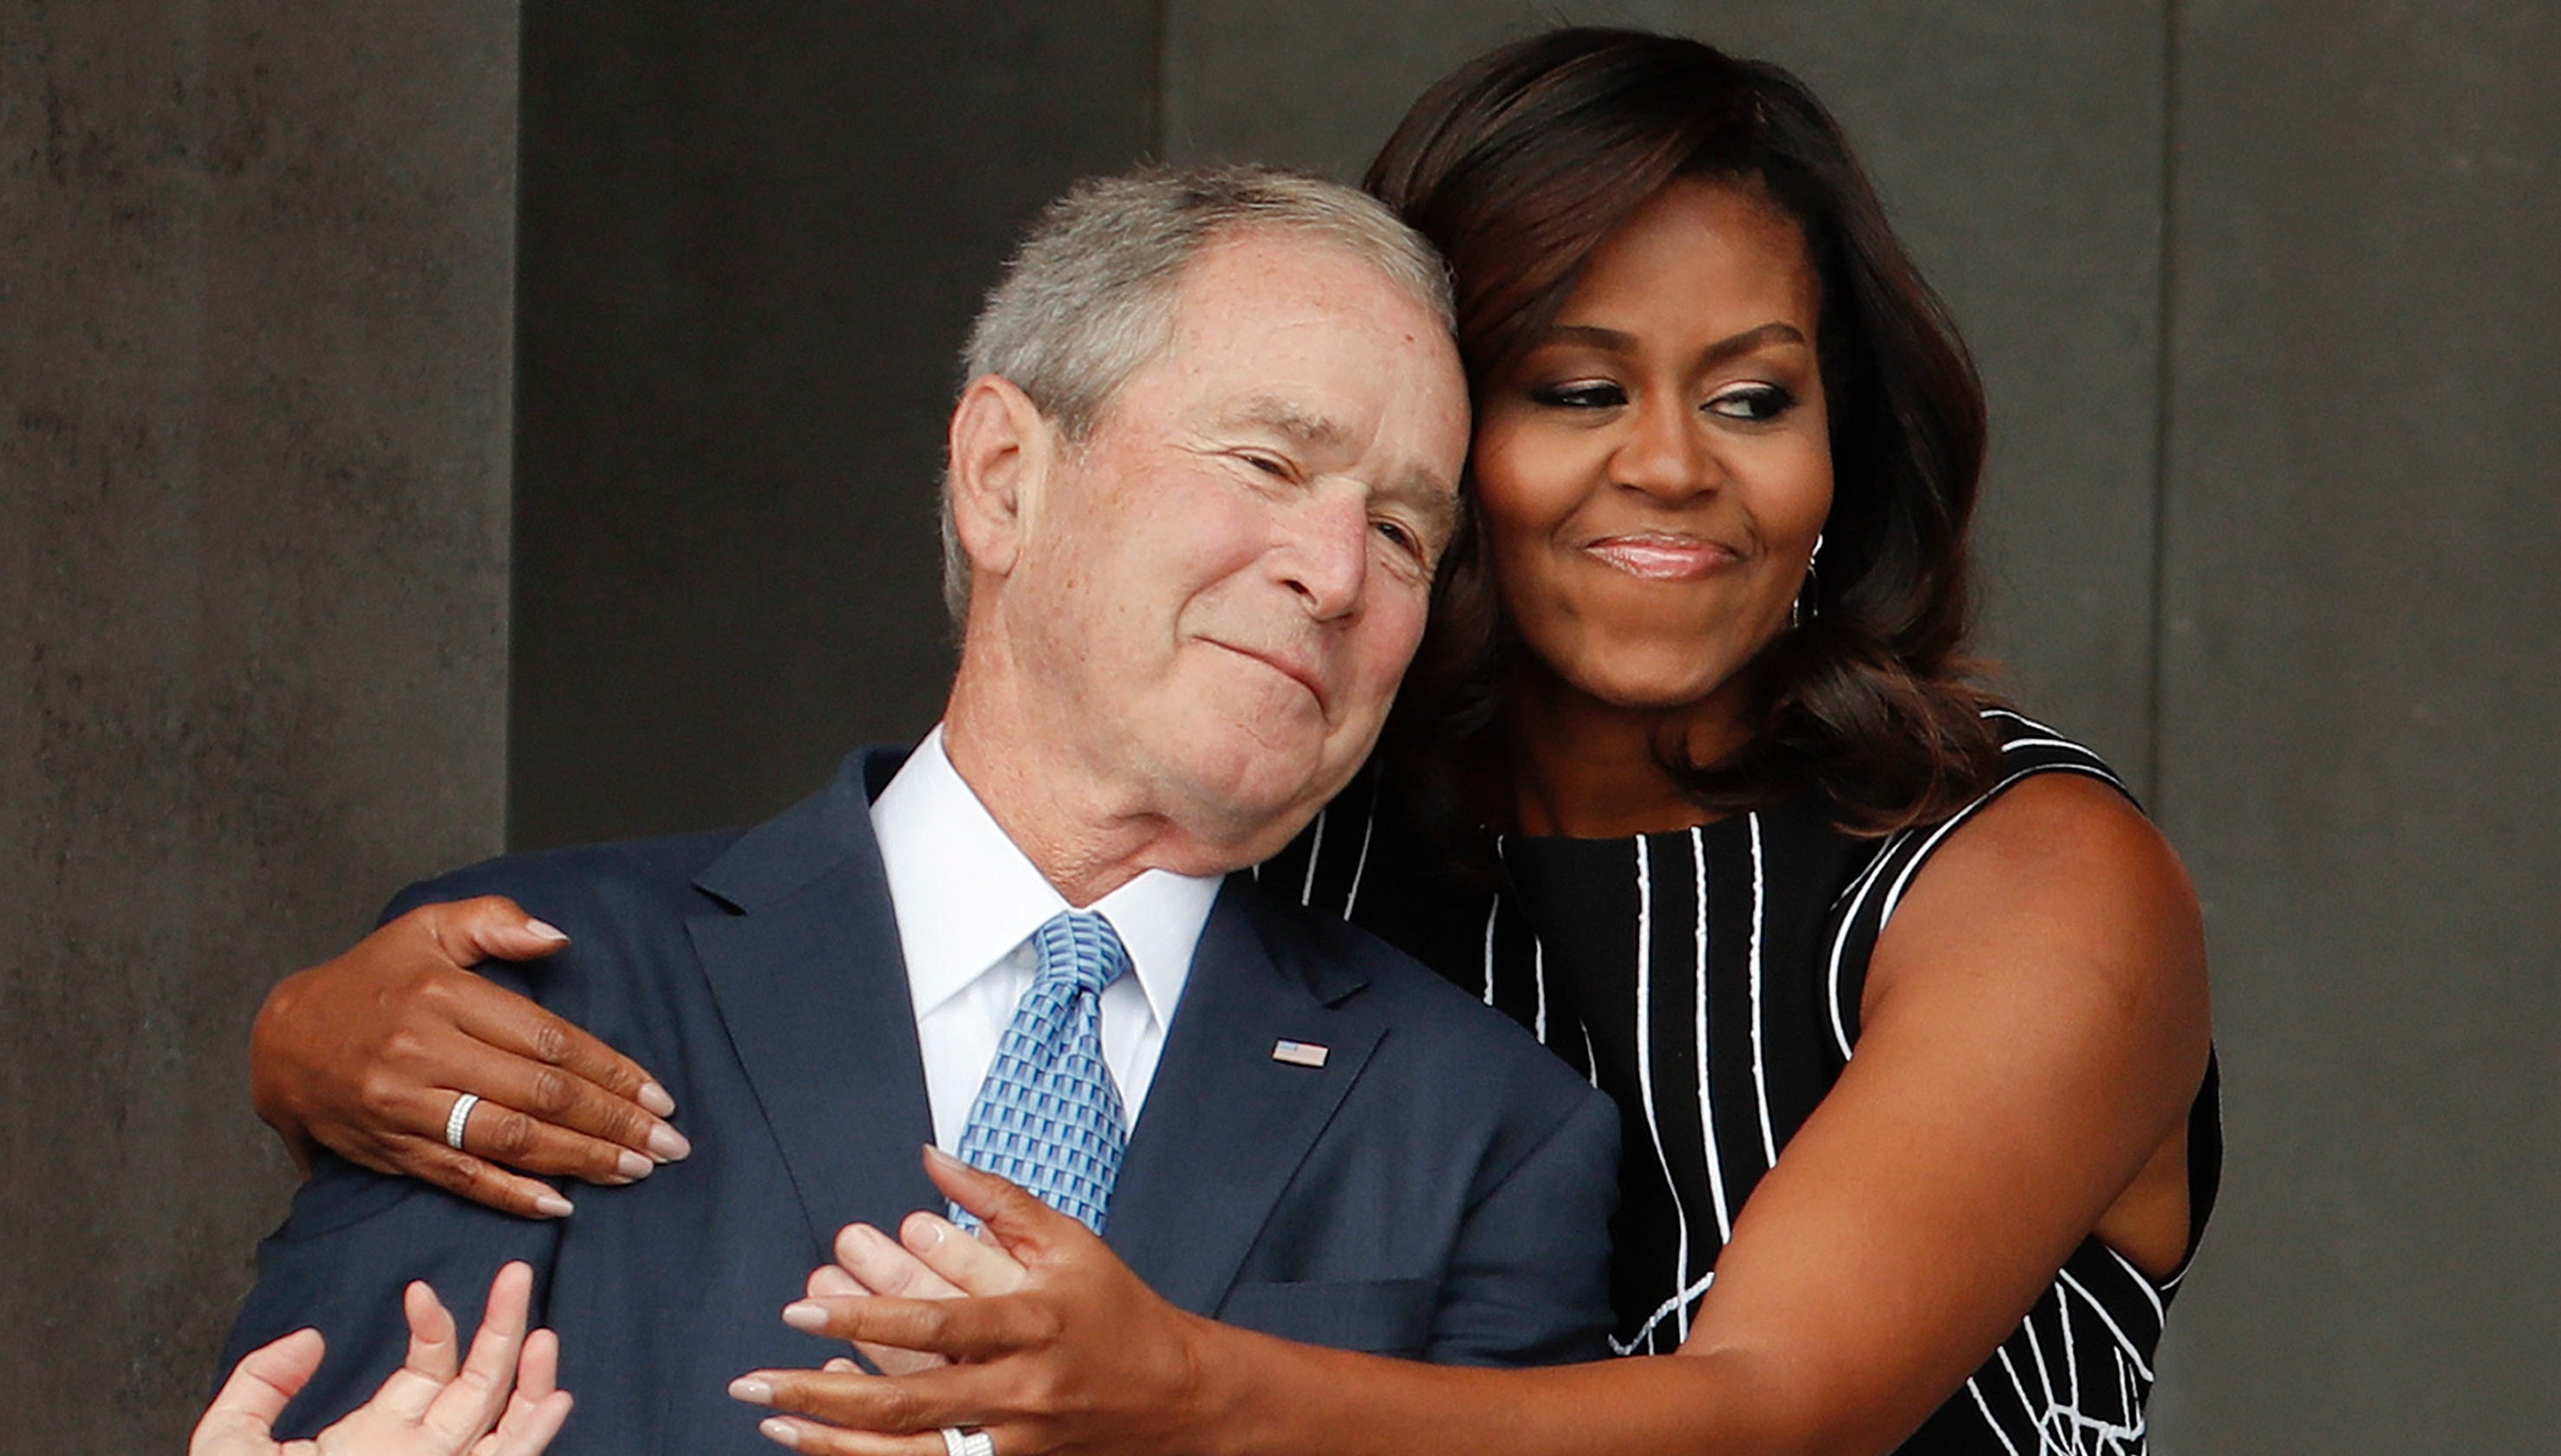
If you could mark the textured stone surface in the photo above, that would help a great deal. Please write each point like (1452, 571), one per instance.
(2362, 705)
(751, 249)
(2018, 149)
(253, 302)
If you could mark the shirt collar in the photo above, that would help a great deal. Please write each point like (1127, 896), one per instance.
(965, 895)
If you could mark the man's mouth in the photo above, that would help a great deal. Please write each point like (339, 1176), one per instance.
(1293, 669)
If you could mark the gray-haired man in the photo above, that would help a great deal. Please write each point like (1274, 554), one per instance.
(1195, 495)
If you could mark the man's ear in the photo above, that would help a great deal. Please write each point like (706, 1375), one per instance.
(1002, 450)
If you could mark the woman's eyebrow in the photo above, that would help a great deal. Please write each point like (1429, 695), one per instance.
(1777, 331)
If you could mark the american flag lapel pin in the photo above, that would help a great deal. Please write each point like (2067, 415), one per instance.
(1298, 1054)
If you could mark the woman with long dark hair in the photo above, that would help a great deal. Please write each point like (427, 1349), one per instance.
(1902, 997)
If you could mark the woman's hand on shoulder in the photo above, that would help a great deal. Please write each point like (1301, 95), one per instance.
(2033, 1030)
(367, 1054)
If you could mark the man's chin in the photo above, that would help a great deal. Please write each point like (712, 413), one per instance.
(1240, 807)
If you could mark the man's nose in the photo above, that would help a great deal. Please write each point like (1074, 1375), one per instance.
(1325, 560)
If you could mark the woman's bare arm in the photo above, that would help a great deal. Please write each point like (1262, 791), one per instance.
(2034, 1028)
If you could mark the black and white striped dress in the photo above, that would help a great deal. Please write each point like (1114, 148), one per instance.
(1710, 980)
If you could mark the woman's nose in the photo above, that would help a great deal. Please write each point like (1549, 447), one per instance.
(1665, 452)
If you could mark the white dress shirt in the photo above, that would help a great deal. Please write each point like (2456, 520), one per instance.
(967, 902)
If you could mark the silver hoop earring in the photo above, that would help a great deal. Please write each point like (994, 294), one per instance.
(1805, 608)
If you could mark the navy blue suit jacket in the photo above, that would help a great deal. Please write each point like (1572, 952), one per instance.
(1440, 1187)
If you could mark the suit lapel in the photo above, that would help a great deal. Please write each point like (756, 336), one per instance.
(1225, 1126)
(813, 991)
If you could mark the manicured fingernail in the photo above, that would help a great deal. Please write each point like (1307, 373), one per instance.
(668, 1145)
(840, 1363)
(542, 929)
(803, 1315)
(655, 1098)
(552, 1205)
(776, 1430)
(753, 1389)
(941, 1158)
(632, 1166)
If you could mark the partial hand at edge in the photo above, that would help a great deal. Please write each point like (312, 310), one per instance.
(365, 1054)
(501, 1401)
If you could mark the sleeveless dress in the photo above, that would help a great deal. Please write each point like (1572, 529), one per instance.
(1709, 979)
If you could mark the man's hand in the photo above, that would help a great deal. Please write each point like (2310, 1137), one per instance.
(933, 1258)
(368, 1053)
(502, 1401)
(1065, 1349)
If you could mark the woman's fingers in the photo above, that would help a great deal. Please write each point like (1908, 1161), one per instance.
(522, 1115)
(240, 1421)
(961, 1329)
(592, 1088)
(1028, 1229)
(883, 1405)
(798, 1434)
(367, 1053)
(972, 1266)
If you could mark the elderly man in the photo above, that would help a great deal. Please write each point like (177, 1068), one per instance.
(1196, 489)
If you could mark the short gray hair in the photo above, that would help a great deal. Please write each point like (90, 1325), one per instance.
(1089, 298)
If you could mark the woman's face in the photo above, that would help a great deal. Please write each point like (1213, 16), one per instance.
(1655, 473)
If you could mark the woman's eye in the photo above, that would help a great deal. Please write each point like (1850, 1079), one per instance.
(1582, 395)
(1753, 403)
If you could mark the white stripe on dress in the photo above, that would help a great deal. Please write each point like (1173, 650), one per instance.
(1840, 938)
(1369, 826)
(1537, 982)
(1989, 1419)
(1315, 846)
(1645, 1057)
(2124, 1342)
(1760, 1067)
(1706, 1101)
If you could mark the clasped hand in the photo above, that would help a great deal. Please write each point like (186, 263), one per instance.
(1038, 1336)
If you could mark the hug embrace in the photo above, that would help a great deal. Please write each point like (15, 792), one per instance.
(1465, 899)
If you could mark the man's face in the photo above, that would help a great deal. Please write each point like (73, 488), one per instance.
(1216, 594)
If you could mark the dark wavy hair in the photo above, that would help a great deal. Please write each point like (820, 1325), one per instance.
(1517, 166)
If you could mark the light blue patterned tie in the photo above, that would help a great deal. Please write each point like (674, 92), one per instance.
(1048, 1116)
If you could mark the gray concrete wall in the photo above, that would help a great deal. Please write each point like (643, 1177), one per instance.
(254, 263)
(2361, 702)
(749, 253)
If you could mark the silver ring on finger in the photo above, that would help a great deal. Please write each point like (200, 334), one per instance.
(958, 1442)
(458, 1119)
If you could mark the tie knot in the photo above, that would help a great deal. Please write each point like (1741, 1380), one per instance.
(1080, 947)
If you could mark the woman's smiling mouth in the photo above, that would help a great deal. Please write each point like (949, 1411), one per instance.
(1663, 557)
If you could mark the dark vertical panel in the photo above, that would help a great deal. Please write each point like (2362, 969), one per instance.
(2362, 703)
(2018, 148)
(254, 261)
(752, 236)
